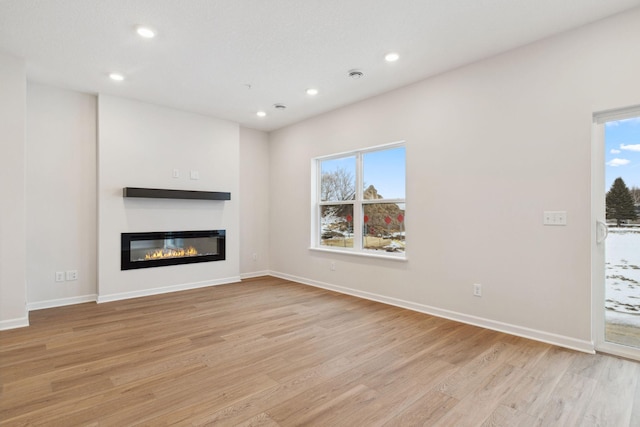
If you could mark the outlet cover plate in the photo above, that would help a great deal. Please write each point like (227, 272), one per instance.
(477, 290)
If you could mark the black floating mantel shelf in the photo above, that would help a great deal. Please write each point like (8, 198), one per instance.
(157, 193)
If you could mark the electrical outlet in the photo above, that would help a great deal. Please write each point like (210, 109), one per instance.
(254, 256)
(176, 173)
(332, 266)
(477, 290)
(72, 274)
(59, 276)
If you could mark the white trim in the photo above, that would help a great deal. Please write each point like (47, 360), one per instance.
(61, 302)
(533, 334)
(377, 201)
(617, 114)
(165, 290)
(400, 257)
(20, 322)
(618, 350)
(314, 237)
(597, 249)
(358, 208)
(253, 274)
(349, 153)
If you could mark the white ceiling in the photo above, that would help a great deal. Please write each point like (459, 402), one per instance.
(208, 51)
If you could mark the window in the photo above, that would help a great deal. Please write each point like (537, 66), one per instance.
(359, 201)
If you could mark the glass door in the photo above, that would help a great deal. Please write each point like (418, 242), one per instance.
(616, 206)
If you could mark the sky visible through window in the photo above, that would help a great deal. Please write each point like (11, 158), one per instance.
(622, 155)
(384, 169)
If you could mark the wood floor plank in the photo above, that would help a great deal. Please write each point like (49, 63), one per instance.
(618, 377)
(472, 375)
(271, 352)
(484, 400)
(635, 409)
(192, 397)
(400, 387)
(540, 380)
(425, 411)
(504, 416)
(343, 409)
(569, 400)
(260, 420)
(261, 401)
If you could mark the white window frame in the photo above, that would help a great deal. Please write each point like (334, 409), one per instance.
(358, 203)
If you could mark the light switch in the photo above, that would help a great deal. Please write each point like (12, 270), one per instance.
(195, 175)
(555, 218)
(176, 173)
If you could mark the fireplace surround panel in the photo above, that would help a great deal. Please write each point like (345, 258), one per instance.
(157, 249)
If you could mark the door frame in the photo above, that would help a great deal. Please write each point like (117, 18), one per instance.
(598, 192)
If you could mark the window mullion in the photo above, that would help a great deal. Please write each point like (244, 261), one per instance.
(337, 202)
(378, 201)
(318, 205)
(357, 208)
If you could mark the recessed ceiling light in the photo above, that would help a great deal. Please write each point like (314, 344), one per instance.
(391, 57)
(116, 76)
(261, 114)
(311, 91)
(146, 32)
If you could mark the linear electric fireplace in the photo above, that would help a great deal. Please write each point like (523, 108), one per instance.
(157, 249)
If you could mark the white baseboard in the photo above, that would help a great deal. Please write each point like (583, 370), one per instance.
(167, 289)
(14, 323)
(550, 338)
(61, 302)
(255, 274)
(546, 337)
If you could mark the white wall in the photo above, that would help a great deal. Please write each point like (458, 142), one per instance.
(490, 146)
(13, 312)
(61, 195)
(254, 203)
(139, 145)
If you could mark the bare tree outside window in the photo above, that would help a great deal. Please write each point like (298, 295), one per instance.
(338, 185)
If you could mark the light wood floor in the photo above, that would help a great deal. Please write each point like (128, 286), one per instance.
(268, 352)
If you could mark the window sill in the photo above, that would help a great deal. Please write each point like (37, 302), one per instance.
(401, 258)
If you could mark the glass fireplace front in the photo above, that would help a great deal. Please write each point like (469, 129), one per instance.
(156, 249)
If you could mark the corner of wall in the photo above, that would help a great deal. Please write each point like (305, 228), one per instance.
(254, 203)
(13, 294)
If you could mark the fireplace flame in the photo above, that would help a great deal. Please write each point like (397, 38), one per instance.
(171, 253)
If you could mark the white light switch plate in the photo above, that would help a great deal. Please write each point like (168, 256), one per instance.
(555, 218)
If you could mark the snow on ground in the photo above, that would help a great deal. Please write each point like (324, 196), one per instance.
(622, 292)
